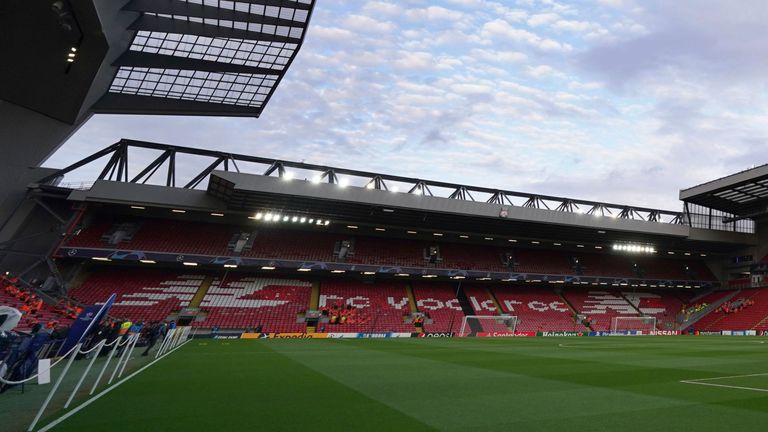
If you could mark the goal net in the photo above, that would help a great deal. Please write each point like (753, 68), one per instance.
(471, 325)
(646, 325)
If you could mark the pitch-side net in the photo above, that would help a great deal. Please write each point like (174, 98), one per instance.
(471, 325)
(646, 325)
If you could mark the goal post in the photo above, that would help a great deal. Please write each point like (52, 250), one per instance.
(473, 324)
(645, 324)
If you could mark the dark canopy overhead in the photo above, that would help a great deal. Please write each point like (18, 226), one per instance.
(743, 194)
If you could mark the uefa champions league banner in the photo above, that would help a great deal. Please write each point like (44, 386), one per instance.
(87, 321)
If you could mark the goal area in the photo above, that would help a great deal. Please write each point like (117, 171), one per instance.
(644, 325)
(487, 325)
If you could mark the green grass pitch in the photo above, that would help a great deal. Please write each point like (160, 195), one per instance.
(537, 384)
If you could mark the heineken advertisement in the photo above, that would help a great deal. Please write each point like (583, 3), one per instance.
(561, 333)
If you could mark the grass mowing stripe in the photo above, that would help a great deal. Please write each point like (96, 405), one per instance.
(218, 387)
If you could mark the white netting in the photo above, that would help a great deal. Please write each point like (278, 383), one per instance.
(645, 325)
(488, 325)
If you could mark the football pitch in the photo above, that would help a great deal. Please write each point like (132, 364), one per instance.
(469, 384)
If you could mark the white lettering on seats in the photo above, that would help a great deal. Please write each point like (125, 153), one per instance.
(558, 306)
(325, 297)
(509, 303)
(453, 304)
(538, 306)
(233, 294)
(399, 305)
(365, 302)
(599, 302)
(430, 304)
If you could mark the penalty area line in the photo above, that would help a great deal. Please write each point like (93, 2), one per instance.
(700, 381)
(725, 386)
(75, 410)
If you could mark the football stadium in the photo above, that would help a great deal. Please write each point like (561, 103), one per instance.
(259, 293)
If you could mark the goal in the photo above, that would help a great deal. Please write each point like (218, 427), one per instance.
(644, 325)
(471, 325)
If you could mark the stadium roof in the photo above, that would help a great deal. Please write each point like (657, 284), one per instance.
(744, 194)
(360, 197)
(206, 56)
(192, 57)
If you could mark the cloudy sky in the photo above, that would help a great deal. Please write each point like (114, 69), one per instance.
(616, 100)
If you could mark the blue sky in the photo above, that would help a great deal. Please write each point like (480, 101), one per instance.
(616, 100)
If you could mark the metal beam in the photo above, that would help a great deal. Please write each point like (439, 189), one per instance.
(176, 7)
(161, 61)
(169, 25)
(116, 103)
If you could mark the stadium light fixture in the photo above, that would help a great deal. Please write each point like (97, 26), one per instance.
(369, 273)
(512, 241)
(287, 176)
(217, 214)
(178, 211)
(230, 265)
(488, 238)
(579, 246)
(394, 189)
(303, 220)
(304, 269)
(276, 217)
(146, 261)
(380, 229)
(311, 221)
(316, 180)
(267, 267)
(369, 186)
(464, 236)
(670, 253)
(286, 218)
(190, 264)
(557, 244)
(428, 276)
(295, 219)
(702, 255)
(483, 279)
(598, 247)
(411, 232)
(687, 254)
(388, 210)
(343, 183)
(338, 271)
(437, 234)
(458, 277)
(352, 226)
(535, 242)
(402, 274)
(101, 259)
(138, 207)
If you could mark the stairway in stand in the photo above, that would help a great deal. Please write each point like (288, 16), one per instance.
(201, 292)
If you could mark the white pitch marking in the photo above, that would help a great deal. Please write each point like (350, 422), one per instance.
(726, 377)
(698, 381)
(726, 386)
(50, 425)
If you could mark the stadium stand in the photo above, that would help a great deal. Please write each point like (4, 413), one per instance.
(34, 309)
(537, 309)
(245, 302)
(440, 302)
(379, 307)
(158, 235)
(744, 311)
(664, 306)
(600, 306)
(145, 294)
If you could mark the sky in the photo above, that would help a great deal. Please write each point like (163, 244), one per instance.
(612, 100)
